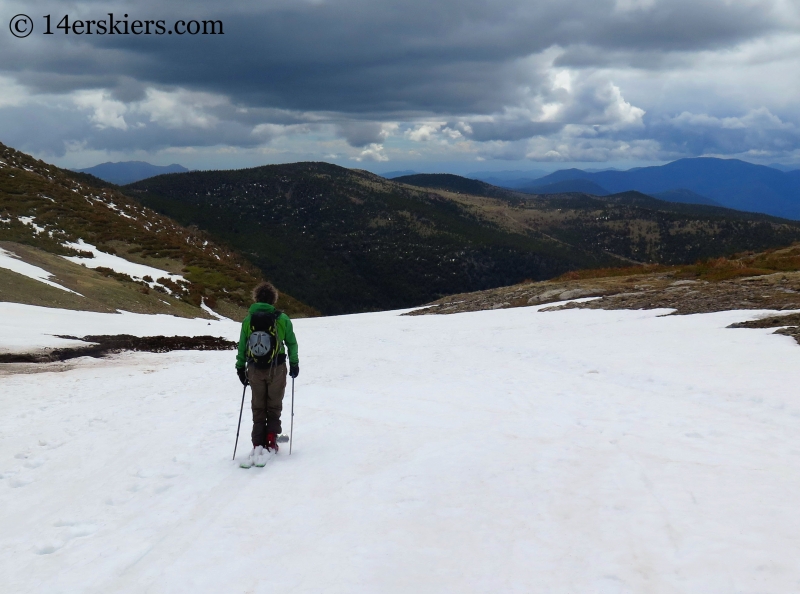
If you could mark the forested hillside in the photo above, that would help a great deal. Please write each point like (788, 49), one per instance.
(346, 240)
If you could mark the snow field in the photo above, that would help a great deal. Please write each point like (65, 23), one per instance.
(503, 451)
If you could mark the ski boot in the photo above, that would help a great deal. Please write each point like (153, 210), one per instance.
(262, 455)
(272, 442)
(252, 458)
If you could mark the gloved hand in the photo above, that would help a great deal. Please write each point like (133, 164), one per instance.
(294, 370)
(242, 375)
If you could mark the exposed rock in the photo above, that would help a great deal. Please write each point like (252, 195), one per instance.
(777, 291)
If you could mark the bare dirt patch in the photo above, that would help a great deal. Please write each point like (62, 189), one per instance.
(100, 346)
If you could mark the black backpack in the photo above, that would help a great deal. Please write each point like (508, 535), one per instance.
(262, 345)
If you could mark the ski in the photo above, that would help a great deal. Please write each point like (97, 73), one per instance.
(262, 460)
(258, 458)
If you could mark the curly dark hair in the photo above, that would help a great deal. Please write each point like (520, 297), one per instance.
(265, 293)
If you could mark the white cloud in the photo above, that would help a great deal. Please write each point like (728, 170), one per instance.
(106, 112)
(618, 112)
(181, 108)
(373, 152)
(424, 132)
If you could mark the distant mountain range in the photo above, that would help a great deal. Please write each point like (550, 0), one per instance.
(127, 172)
(782, 167)
(394, 174)
(727, 182)
(508, 179)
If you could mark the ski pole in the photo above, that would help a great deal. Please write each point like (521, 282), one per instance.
(239, 426)
(291, 422)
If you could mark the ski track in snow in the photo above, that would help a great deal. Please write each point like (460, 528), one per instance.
(504, 451)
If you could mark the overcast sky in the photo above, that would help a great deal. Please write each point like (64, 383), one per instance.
(457, 85)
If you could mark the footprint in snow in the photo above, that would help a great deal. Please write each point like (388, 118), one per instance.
(48, 548)
(113, 501)
(77, 528)
(74, 529)
(18, 482)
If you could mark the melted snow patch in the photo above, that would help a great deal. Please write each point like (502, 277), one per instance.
(116, 209)
(210, 311)
(117, 264)
(12, 262)
(29, 221)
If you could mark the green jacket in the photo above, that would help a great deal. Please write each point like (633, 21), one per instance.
(283, 327)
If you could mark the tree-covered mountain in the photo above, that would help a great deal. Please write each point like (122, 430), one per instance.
(346, 240)
(685, 196)
(455, 183)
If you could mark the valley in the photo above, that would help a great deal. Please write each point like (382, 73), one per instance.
(345, 240)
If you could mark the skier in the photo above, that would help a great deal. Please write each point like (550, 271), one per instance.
(261, 361)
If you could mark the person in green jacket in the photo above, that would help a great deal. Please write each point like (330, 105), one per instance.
(261, 361)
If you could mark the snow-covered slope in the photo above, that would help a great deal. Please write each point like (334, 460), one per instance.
(501, 451)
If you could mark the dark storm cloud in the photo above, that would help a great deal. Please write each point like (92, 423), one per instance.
(360, 134)
(485, 67)
(43, 129)
(377, 58)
